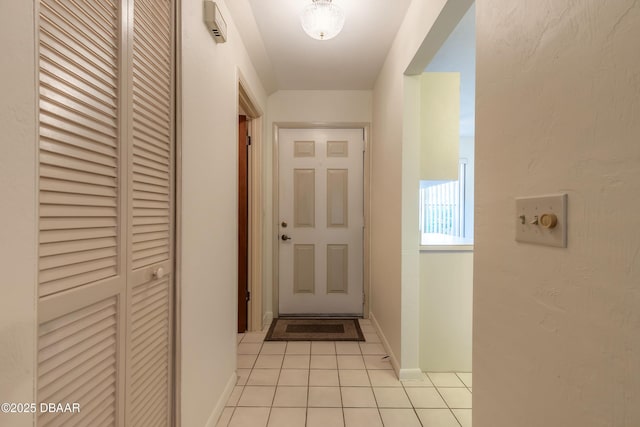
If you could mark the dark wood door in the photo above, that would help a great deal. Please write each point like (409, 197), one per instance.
(243, 223)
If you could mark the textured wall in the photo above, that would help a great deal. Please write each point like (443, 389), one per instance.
(209, 216)
(557, 331)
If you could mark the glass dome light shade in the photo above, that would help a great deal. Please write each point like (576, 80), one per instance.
(322, 20)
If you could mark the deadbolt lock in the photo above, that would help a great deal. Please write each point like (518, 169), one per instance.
(284, 224)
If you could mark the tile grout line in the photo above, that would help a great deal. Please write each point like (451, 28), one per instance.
(402, 386)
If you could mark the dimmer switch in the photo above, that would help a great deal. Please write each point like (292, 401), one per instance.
(542, 220)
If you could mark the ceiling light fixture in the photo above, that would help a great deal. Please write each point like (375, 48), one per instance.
(322, 19)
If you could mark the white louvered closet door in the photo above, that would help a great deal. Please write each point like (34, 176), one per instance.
(106, 168)
(150, 278)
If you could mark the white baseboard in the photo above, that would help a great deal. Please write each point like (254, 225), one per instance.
(385, 344)
(267, 319)
(217, 410)
(410, 374)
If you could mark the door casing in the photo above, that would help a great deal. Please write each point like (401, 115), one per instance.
(277, 126)
(248, 104)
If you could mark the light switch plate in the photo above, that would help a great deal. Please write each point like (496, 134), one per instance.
(529, 211)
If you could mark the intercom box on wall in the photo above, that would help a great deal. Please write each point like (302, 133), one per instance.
(215, 22)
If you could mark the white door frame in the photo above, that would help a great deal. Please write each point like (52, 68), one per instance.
(277, 126)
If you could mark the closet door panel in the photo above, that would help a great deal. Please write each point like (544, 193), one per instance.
(150, 278)
(82, 216)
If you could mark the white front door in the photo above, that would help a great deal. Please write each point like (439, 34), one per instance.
(321, 221)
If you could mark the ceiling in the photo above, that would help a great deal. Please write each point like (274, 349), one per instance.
(289, 59)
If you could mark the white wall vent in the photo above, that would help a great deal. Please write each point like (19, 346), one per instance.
(215, 22)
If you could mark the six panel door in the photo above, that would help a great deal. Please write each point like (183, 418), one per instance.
(321, 220)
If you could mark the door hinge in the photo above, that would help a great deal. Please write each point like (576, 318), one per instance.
(248, 140)
(248, 296)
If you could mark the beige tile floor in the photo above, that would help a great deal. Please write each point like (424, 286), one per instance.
(338, 384)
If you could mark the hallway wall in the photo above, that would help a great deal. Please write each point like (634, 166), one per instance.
(319, 106)
(395, 174)
(446, 299)
(556, 331)
(18, 187)
(209, 220)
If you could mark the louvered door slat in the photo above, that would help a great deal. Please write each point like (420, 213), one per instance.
(63, 198)
(149, 80)
(162, 159)
(63, 111)
(152, 321)
(53, 87)
(64, 369)
(56, 72)
(150, 347)
(145, 180)
(141, 161)
(77, 223)
(74, 281)
(151, 114)
(101, 31)
(69, 246)
(144, 237)
(52, 236)
(71, 187)
(65, 174)
(70, 45)
(63, 260)
(157, 150)
(148, 84)
(148, 135)
(74, 140)
(142, 229)
(151, 204)
(147, 50)
(161, 11)
(137, 221)
(141, 98)
(142, 195)
(69, 381)
(54, 126)
(148, 126)
(102, 399)
(89, 74)
(151, 412)
(65, 162)
(81, 268)
(152, 16)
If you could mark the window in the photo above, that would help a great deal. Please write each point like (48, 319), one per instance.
(444, 213)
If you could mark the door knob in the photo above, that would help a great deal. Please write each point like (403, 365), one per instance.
(158, 273)
(285, 238)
